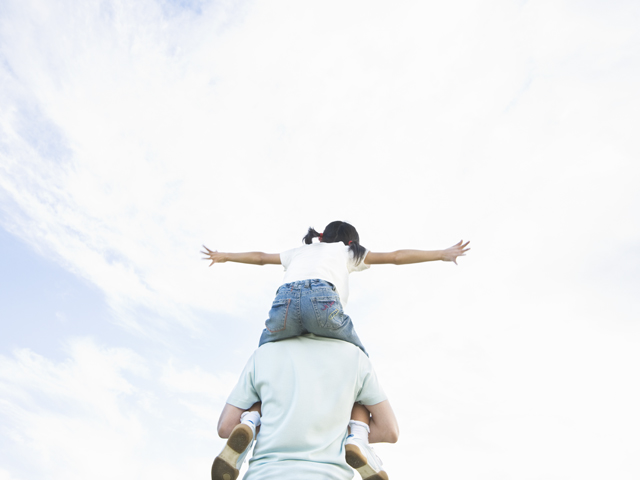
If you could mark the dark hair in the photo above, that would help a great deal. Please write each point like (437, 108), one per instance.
(339, 232)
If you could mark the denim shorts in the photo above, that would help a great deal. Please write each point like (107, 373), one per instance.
(308, 306)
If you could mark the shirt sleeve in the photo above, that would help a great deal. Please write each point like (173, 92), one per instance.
(370, 392)
(286, 257)
(244, 394)
(351, 265)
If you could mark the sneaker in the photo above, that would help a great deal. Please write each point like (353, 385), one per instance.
(226, 466)
(361, 457)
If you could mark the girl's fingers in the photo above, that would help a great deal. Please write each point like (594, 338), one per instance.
(209, 254)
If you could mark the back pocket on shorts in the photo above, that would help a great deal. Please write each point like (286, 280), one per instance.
(328, 312)
(277, 320)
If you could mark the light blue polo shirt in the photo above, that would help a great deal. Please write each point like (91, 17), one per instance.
(307, 386)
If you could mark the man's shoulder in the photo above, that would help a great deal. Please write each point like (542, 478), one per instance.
(311, 339)
(309, 344)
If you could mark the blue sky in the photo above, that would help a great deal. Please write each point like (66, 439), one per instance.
(44, 301)
(133, 133)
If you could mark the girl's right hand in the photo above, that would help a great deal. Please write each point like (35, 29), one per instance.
(214, 256)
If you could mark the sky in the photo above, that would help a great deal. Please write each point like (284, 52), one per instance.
(132, 133)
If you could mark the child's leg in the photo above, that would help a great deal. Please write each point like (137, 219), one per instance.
(358, 453)
(226, 466)
(360, 413)
(249, 417)
(284, 319)
(323, 315)
(359, 423)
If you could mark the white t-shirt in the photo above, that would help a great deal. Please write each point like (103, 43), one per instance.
(332, 262)
(307, 386)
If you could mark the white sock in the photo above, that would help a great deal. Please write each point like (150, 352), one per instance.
(359, 430)
(252, 419)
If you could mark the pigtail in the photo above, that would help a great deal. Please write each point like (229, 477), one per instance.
(311, 234)
(358, 251)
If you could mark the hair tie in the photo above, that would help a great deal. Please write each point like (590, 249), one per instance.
(320, 236)
(350, 241)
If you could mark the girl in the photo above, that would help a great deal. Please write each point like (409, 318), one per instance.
(313, 295)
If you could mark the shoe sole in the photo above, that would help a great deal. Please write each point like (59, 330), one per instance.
(224, 465)
(358, 461)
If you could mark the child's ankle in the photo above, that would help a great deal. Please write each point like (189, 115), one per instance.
(251, 419)
(359, 430)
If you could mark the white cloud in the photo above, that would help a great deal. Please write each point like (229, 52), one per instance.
(5, 475)
(197, 381)
(202, 393)
(64, 417)
(99, 406)
(172, 141)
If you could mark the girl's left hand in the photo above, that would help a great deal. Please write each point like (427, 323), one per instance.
(213, 255)
(451, 253)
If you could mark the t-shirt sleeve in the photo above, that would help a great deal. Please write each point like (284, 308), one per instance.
(286, 257)
(351, 265)
(244, 393)
(370, 392)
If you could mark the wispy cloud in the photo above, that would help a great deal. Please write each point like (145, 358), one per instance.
(68, 415)
(100, 406)
(133, 133)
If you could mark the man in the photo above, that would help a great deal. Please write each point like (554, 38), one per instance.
(308, 386)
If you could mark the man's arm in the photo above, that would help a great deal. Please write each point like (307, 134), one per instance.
(383, 424)
(229, 418)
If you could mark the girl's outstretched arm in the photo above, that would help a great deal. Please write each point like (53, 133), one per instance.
(403, 257)
(253, 258)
